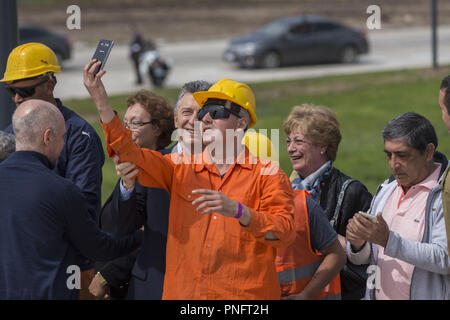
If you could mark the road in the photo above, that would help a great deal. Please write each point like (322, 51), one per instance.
(390, 49)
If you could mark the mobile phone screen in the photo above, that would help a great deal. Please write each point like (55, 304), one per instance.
(369, 216)
(102, 53)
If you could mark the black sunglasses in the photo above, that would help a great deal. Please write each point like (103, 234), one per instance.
(217, 111)
(25, 92)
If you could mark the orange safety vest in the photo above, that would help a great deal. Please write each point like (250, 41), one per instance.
(297, 263)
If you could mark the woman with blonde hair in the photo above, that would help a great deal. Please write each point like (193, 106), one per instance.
(313, 139)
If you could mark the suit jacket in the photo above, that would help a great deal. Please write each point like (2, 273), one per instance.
(44, 224)
(139, 275)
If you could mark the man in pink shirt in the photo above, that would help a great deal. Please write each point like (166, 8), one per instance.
(407, 245)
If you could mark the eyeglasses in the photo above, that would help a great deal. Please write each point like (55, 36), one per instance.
(137, 124)
(297, 141)
(25, 92)
(217, 112)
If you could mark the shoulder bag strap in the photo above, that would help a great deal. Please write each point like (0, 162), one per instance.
(339, 202)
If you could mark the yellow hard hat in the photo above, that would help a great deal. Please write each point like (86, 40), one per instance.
(30, 60)
(227, 89)
(259, 145)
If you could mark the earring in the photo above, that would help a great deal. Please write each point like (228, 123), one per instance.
(321, 152)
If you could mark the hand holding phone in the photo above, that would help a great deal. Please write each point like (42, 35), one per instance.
(102, 53)
(368, 216)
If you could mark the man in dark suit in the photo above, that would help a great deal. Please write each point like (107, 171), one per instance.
(30, 74)
(45, 218)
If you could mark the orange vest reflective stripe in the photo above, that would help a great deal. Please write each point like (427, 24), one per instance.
(297, 263)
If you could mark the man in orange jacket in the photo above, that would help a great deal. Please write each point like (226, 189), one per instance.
(224, 248)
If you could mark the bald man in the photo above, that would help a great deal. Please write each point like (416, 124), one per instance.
(45, 219)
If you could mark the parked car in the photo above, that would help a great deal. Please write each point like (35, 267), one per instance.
(297, 40)
(60, 44)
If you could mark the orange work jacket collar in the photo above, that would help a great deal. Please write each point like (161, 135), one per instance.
(244, 159)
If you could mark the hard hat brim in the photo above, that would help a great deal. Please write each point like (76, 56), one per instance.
(29, 74)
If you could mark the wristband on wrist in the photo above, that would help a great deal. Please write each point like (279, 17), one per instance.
(239, 213)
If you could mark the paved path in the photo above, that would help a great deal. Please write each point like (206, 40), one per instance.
(390, 49)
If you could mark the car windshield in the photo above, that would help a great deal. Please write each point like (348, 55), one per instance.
(274, 29)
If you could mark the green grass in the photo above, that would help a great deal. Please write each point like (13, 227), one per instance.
(364, 103)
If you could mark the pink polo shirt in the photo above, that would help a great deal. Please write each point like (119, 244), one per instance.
(404, 214)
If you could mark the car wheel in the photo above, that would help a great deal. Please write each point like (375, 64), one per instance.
(248, 62)
(348, 54)
(271, 59)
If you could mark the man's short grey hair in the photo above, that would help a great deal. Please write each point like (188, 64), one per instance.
(245, 114)
(29, 128)
(7, 145)
(191, 87)
(414, 128)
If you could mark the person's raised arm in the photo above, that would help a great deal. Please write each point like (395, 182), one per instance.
(96, 89)
(156, 171)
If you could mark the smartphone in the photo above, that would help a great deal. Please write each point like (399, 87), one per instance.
(369, 216)
(102, 53)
